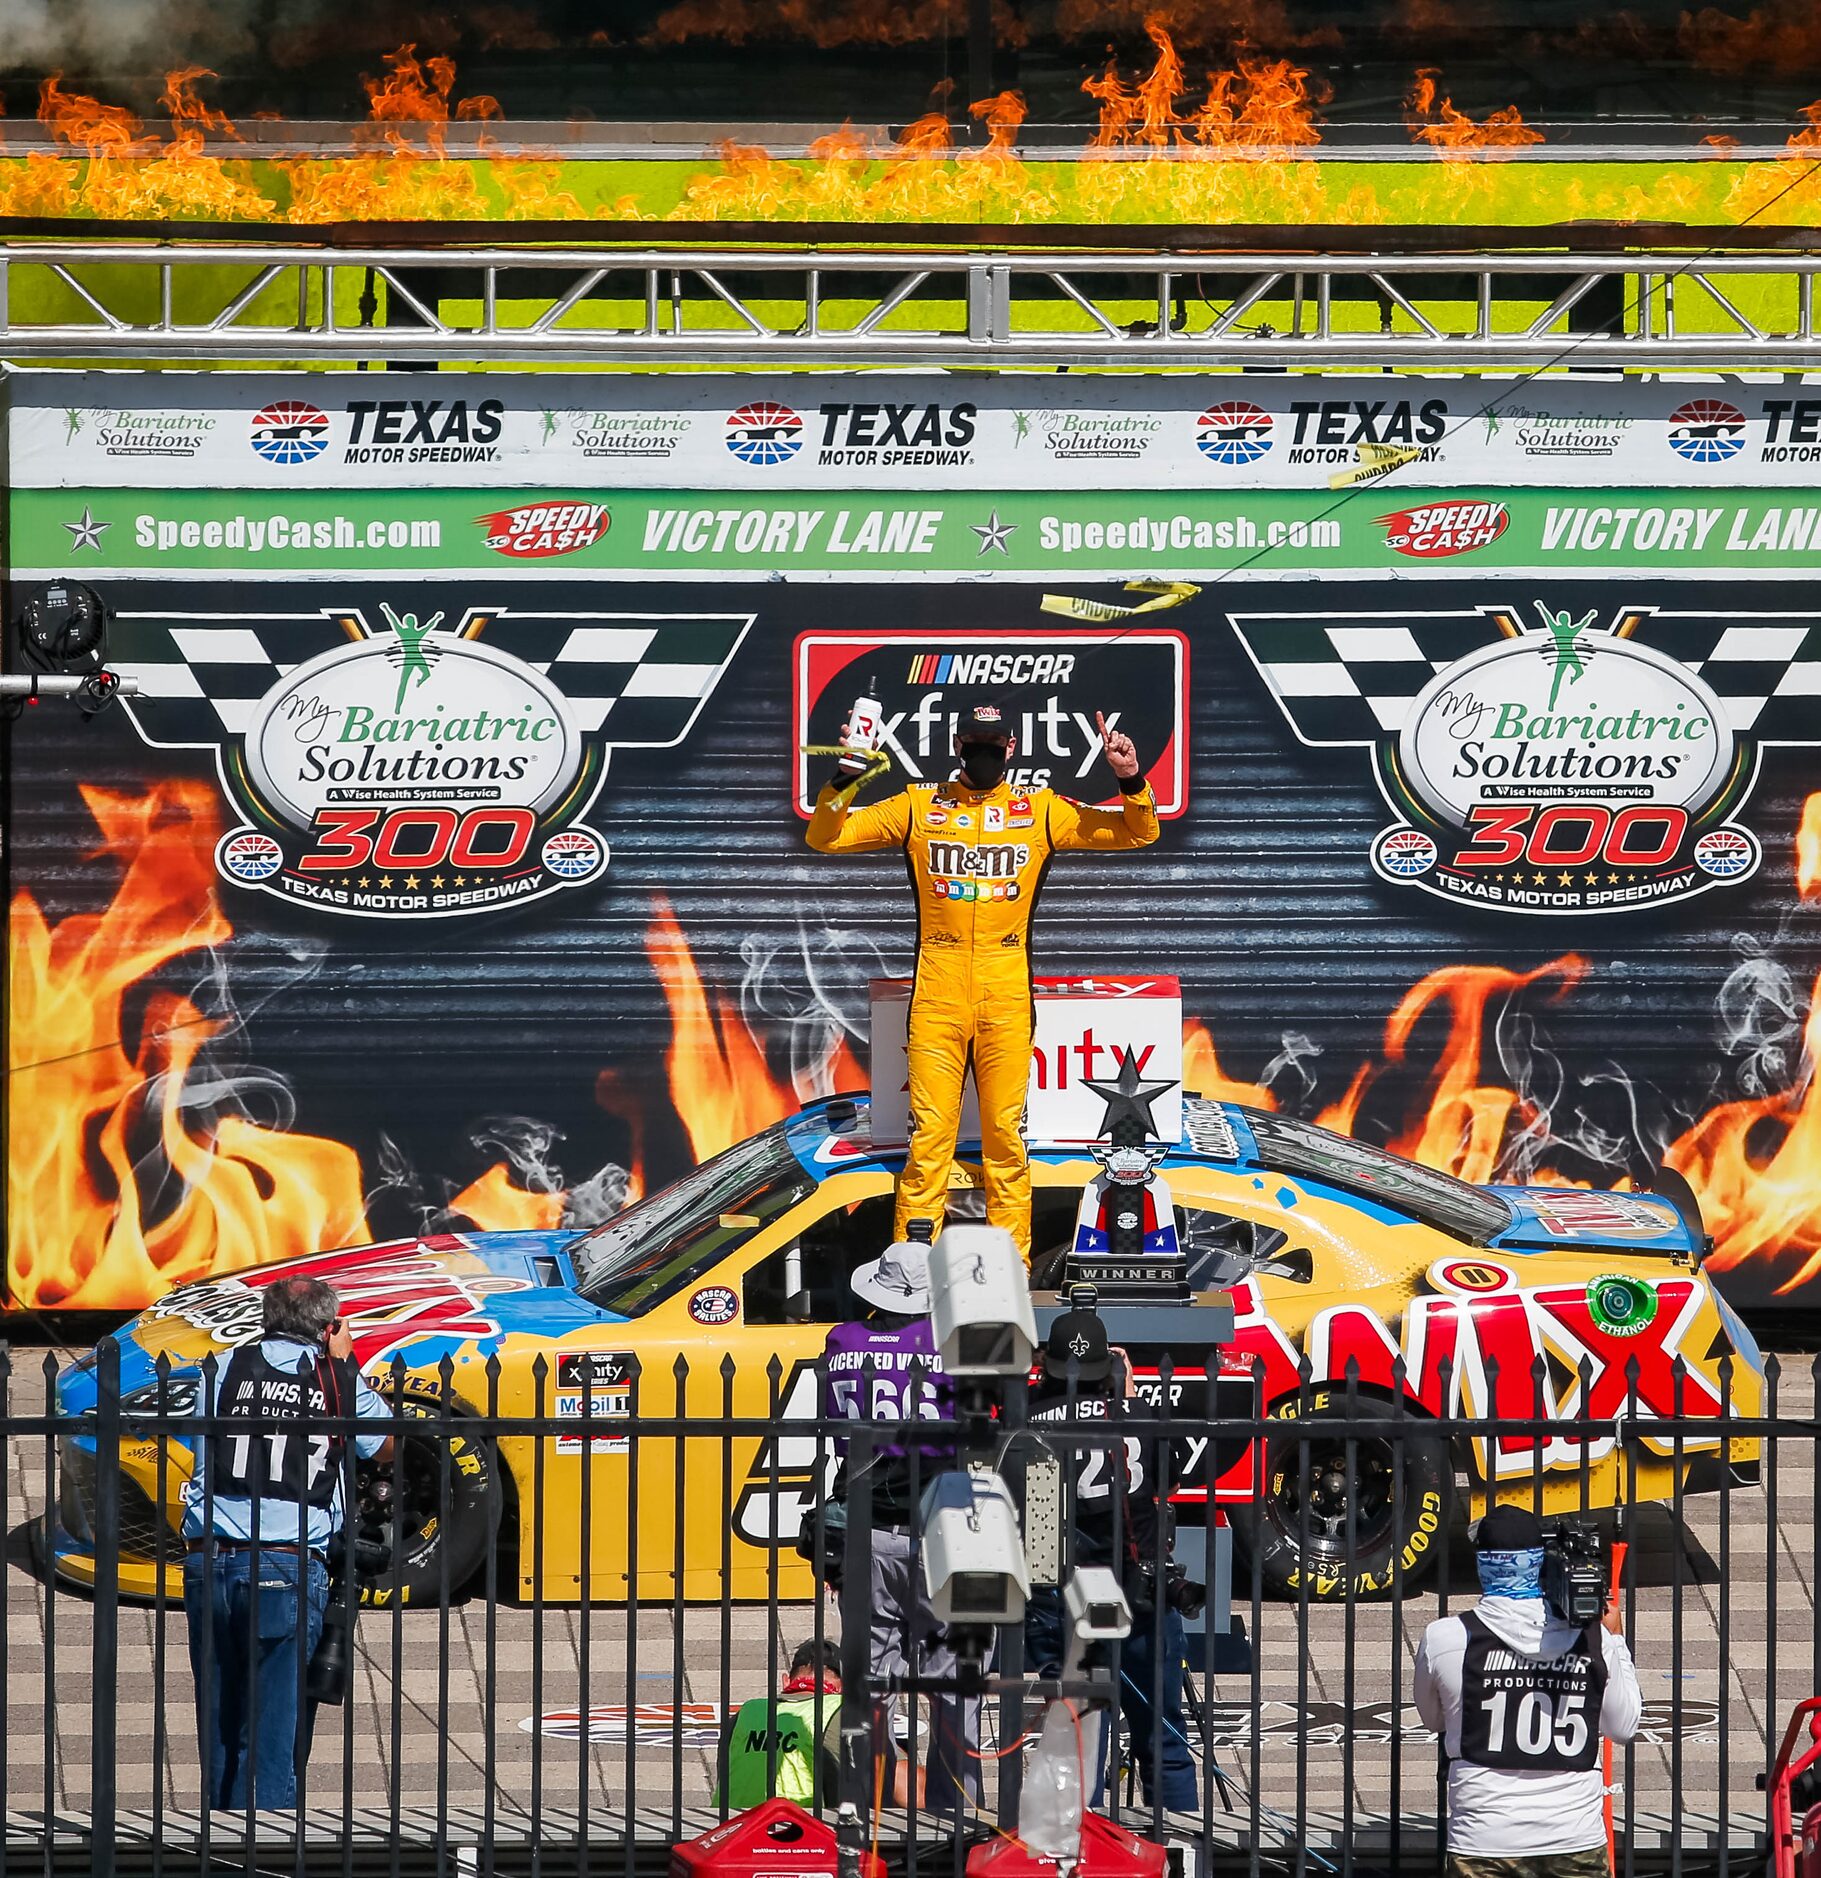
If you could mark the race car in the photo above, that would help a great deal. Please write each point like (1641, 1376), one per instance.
(712, 1298)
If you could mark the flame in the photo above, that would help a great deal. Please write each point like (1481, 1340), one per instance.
(102, 1221)
(1784, 38)
(1201, 1071)
(1808, 848)
(1165, 148)
(1757, 1164)
(1434, 120)
(496, 1205)
(1463, 1127)
(94, 1226)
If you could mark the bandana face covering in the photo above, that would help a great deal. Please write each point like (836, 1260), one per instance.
(1511, 1574)
(983, 764)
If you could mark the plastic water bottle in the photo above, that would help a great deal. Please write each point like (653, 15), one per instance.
(865, 732)
(1049, 1809)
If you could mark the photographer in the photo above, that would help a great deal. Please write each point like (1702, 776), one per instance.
(1112, 1517)
(895, 1345)
(260, 1511)
(1521, 1696)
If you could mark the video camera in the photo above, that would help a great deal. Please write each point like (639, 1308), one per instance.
(1575, 1577)
(1180, 1591)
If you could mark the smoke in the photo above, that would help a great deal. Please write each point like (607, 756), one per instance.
(116, 35)
(1287, 1075)
(1761, 1012)
(799, 998)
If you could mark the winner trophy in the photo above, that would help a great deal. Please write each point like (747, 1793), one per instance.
(1126, 1243)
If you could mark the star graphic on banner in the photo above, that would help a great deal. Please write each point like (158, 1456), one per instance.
(87, 533)
(1128, 1097)
(994, 534)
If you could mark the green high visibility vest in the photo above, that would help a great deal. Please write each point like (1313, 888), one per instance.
(781, 1731)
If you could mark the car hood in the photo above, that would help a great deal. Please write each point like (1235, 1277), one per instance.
(1559, 1219)
(415, 1300)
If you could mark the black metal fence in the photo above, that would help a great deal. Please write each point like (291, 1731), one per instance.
(559, 1613)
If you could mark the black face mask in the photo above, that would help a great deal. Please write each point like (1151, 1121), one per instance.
(983, 764)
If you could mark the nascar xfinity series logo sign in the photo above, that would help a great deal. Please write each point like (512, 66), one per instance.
(1547, 760)
(1050, 683)
(405, 760)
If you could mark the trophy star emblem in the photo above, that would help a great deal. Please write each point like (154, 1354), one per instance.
(1128, 1098)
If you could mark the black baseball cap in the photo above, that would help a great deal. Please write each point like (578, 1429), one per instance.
(1078, 1337)
(1508, 1529)
(983, 722)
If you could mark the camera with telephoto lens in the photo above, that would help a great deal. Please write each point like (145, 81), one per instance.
(828, 1563)
(368, 1560)
(1180, 1591)
(1574, 1573)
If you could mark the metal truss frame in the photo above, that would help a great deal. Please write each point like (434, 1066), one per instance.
(752, 307)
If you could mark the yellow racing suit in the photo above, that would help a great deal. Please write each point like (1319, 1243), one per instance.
(977, 859)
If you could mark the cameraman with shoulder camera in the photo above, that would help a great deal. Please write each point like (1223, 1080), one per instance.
(1112, 1517)
(260, 1511)
(1521, 1689)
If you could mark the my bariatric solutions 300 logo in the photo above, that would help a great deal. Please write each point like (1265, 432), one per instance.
(408, 760)
(1550, 760)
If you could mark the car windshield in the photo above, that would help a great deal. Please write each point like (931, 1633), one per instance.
(642, 1256)
(1288, 1146)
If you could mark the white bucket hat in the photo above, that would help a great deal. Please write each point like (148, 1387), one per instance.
(897, 1280)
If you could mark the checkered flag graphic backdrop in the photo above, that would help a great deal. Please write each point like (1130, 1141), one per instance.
(1351, 678)
(1765, 668)
(633, 679)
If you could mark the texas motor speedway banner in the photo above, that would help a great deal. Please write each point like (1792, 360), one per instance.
(462, 799)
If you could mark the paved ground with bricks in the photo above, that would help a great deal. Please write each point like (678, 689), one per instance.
(442, 1712)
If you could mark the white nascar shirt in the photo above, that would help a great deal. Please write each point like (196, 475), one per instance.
(1494, 1812)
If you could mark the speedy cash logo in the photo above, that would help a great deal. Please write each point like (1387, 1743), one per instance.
(1439, 530)
(1048, 684)
(550, 526)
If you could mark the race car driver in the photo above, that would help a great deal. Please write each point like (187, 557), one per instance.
(978, 851)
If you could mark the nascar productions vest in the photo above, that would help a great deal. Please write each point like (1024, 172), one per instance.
(283, 1451)
(1531, 1714)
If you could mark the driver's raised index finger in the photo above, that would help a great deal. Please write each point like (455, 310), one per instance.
(1100, 724)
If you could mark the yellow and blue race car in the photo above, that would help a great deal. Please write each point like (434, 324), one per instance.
(712, 1298)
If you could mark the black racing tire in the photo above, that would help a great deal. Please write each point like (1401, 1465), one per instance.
(427, 1552)
(1391, 1532)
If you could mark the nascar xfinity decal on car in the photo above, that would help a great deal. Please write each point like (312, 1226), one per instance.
(1336, 1256)
(1547, 759)
(414, 754)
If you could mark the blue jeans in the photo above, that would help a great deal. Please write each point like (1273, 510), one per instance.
(1145, 1692)
(250, 1706)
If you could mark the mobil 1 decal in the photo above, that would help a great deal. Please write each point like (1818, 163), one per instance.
(413, 750)
(1048, 680)
(1550, 748)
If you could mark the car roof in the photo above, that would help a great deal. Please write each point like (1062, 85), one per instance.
(834, 1136)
